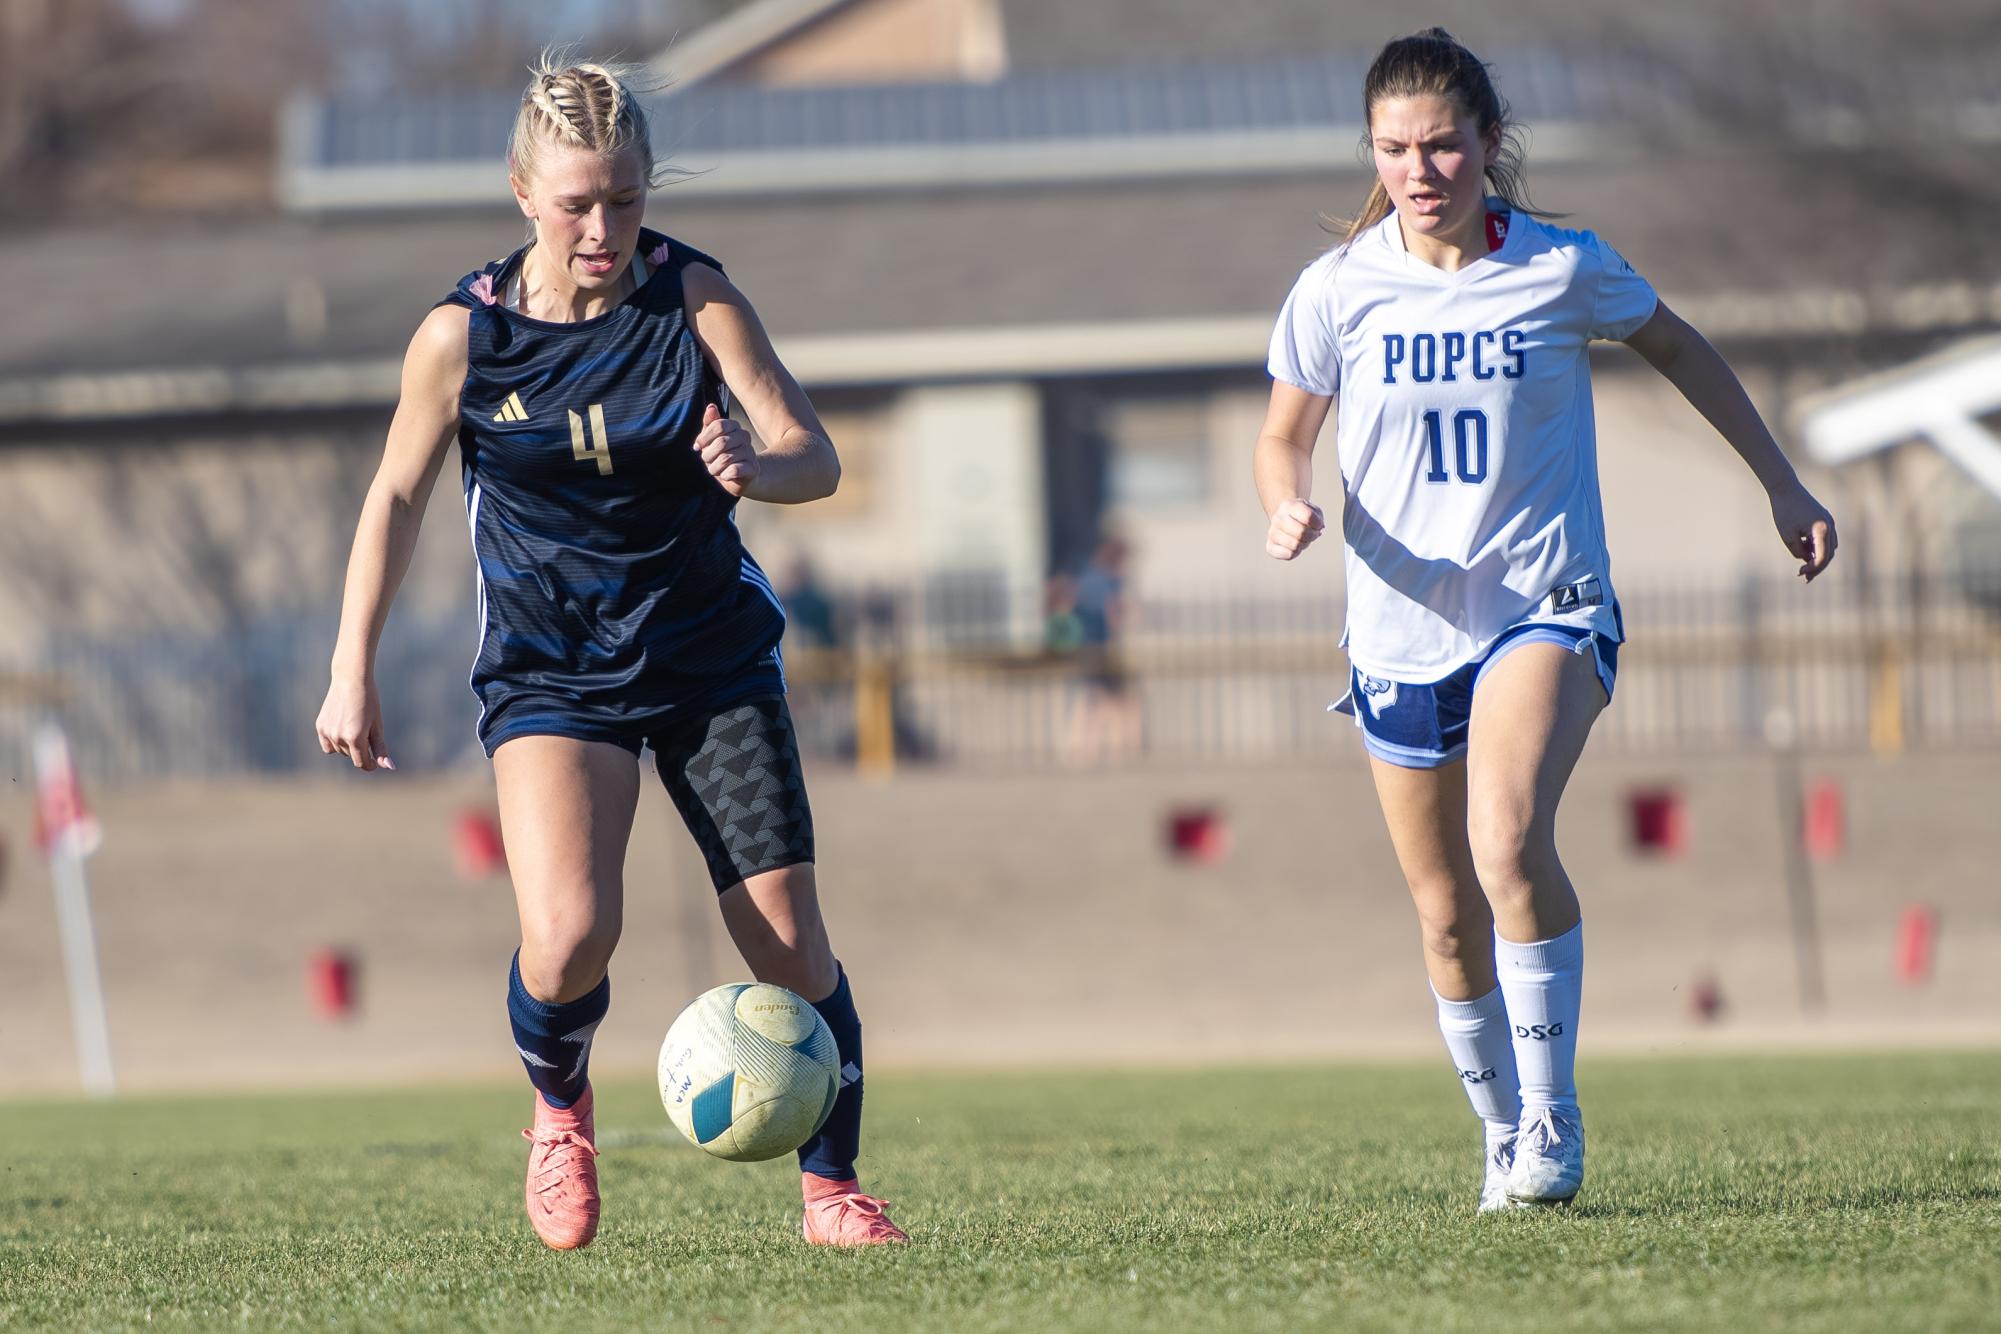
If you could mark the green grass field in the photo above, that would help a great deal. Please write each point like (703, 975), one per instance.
(1818, 1193)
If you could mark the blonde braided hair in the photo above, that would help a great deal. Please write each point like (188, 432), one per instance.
(584, 104)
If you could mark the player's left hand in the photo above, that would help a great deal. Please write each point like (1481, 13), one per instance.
(727, 452)
(1805, 527)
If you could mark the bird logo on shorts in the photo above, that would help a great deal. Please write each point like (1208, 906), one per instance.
(1381, 694)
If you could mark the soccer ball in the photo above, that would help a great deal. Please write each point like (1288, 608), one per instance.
(749, 1071)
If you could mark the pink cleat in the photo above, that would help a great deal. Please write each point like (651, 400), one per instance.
(838, 1214)
(563, 1174)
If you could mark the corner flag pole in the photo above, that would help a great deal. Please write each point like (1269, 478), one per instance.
(69, 833)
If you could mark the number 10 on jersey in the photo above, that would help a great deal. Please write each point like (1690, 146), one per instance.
(1469, 445)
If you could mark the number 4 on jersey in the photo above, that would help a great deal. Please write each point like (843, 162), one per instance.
(1469, 445)
(592, 443)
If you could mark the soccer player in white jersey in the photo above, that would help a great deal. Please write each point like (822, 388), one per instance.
(1452, 327)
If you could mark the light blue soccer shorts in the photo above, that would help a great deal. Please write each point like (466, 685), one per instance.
(1424, 725)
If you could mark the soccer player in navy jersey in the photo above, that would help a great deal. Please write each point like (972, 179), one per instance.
(584, 378)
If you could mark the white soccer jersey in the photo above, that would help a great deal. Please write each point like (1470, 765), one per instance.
(1468, 457)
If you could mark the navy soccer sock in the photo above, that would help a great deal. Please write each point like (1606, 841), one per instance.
(554, 1038)
(832, 1151)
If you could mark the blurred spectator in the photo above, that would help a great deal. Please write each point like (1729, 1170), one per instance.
(1063, 628)
(1102, 608)
(1106, 725)
(809, 613)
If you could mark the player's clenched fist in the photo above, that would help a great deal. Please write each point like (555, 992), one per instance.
(1294, 525)
(1806, 528)
(727, 452)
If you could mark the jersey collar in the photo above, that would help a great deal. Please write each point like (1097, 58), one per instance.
(507, 274)
(1497, 209)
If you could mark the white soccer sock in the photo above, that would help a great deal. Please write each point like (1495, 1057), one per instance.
(1483, 1052)
(1543, 981)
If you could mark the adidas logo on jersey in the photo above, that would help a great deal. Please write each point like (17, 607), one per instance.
(511, 410)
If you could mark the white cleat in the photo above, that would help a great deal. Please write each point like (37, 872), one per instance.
(1494, 1193)
(1549, 1158)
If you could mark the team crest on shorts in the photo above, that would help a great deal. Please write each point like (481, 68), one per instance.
(1381, 694)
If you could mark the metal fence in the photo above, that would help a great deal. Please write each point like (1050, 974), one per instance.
(973, 674)
(1853, 664)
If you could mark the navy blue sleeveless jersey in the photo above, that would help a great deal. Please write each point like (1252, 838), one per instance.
(615, 594)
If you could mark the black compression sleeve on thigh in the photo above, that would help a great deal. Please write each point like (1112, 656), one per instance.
(738, 785)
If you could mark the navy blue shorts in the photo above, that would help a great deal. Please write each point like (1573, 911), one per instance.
(513, 710)
(733, 771)
(1423, 726)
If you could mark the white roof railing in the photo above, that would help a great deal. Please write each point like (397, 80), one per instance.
(1941, 399)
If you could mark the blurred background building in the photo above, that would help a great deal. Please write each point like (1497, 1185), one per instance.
(1024, 254)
